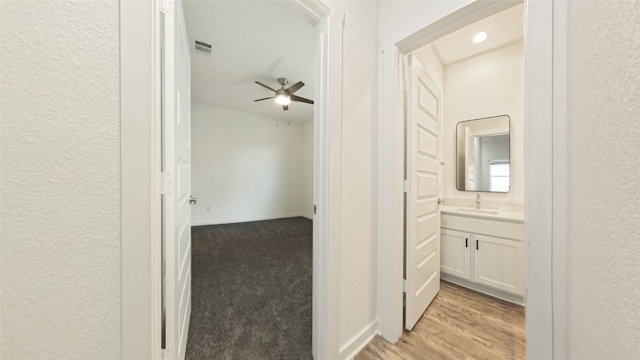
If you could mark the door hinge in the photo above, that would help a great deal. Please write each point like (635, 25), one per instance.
(167, 354)
(315, 209)
(167, 183)
(166, 7)
(406, 287)
(406, 186)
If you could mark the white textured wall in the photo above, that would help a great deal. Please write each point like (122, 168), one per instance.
(603, 179)
(60, 146)
(358, 263)
(306, 190)
(245, 167)
(488, 84)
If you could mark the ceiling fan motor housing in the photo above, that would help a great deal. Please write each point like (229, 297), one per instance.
(283, 81)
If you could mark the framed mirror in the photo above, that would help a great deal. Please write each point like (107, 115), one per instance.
(483, 154)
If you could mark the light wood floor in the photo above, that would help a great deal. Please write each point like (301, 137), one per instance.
(459, 324)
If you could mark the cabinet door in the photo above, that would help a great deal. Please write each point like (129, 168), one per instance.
(498, 263)
(455, 254)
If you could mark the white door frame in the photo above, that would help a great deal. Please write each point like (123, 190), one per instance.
(539, 155)
(141, 182)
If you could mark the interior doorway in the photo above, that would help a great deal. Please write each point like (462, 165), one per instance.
(142, 182)
(253, 176)
(394, 47)
(464, 81)
(323, 309)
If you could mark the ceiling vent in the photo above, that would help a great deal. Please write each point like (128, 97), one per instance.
(201, 47)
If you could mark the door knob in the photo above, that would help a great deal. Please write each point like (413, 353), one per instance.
(192, 200)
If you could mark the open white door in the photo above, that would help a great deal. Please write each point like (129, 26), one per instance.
(422, 258)
(176, 167)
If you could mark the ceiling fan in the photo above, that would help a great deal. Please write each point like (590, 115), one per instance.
(285, 96)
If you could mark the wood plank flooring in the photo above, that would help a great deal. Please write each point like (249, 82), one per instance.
(459, 324)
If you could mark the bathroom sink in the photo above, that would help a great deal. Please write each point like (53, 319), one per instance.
(477, 211)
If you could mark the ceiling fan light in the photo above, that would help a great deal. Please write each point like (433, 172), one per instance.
(283, 99)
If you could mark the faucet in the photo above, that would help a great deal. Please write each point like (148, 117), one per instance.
(477, 201)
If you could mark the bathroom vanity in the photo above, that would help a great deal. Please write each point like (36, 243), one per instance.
(484, 250)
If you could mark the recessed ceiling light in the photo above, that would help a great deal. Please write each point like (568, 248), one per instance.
(480, 37)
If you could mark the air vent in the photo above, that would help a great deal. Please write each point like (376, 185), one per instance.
(202, 47)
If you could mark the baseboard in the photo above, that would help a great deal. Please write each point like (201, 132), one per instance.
(349, 350)
(514, 299)
(244, 219)
(307, 216)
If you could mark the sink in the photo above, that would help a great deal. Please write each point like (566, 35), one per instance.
(488, 212)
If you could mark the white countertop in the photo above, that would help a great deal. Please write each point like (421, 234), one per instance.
(490, 214)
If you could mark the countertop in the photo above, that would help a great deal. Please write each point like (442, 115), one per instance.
(489, 214)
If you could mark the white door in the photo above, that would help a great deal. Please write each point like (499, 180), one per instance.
(455, 255)
(177, 183)
(422, 258)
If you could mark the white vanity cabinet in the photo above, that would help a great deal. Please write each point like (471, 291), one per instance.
(485, 254)
(455, 255)
(498, 263)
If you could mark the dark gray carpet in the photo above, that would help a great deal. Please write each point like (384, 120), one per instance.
(251, 290)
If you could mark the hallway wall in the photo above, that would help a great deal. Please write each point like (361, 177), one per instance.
(60, 184)
(603, 73)
(359, 134)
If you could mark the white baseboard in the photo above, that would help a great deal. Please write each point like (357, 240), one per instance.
(349, 350)
(244, 219)
(307, 216)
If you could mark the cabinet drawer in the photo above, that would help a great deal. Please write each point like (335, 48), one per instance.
(503, 229)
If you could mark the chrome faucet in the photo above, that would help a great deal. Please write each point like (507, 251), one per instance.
(477, 201)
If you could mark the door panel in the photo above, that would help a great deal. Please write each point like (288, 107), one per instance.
(427, 143)
(422, 258)
(176, 145)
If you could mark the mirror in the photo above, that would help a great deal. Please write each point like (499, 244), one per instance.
(482, 154)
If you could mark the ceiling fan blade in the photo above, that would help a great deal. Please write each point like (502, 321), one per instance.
(265, 98)
(295, 87)
(263, 85)
(285, 107)
(301, 99)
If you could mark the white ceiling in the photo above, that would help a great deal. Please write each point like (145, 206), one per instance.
(252, 40)
(502, 28)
